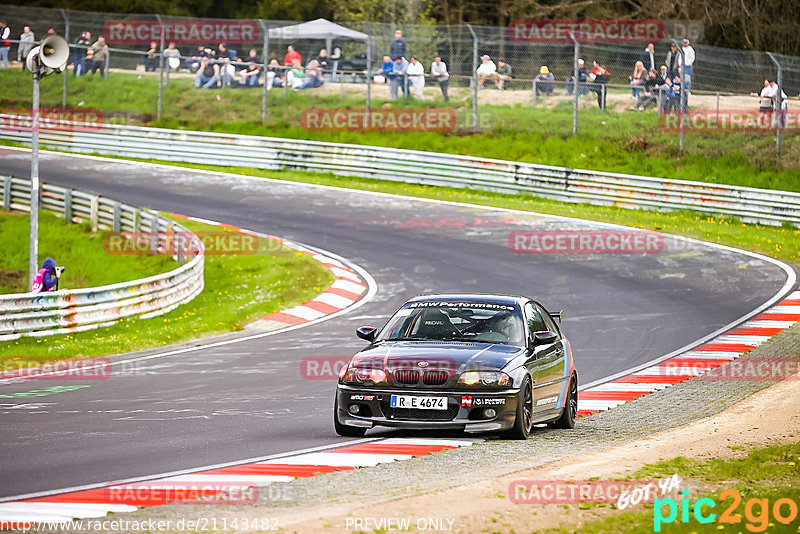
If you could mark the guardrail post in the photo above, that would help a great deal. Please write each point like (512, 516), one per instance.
(68, 205)
(7, 193)
(94, 206)
(116, 216)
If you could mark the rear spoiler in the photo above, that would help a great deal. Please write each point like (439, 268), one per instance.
(559, 316)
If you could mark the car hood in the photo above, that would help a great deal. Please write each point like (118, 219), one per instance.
(455, 356)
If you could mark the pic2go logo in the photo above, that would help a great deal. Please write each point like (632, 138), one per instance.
(756, 511)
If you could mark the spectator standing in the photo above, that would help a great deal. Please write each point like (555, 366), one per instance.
(250, 74)
(649, 57)
(416, 75)
(486, 70)
(673, 60)
(324, 61)
(172, 56)
(439, 70)
(398, 48)
(207, 75)
(503, 74)
(150, 58)
(314, 77)
(335, 56)
(599, 81)
(47, 277)
(291, 56)
(398, 77)
(5, 44)
(781, 115)
(82, 43)
(544, 81)
(582, 77)
(766, 103)
(25, 45)
(99, 55)
(688, 57)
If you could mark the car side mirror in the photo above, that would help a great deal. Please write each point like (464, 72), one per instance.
(544, 337)
(366, 332)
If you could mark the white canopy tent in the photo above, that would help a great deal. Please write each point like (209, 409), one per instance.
(318, 29)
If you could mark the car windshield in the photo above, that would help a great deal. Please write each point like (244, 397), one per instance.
(453, 321)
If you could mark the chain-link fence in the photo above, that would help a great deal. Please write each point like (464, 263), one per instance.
(357, 70)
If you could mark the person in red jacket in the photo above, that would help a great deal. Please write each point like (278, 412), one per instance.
(291, 55)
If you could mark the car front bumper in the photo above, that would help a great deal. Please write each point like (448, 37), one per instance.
(465, 410)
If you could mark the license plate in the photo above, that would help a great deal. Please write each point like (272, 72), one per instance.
(419, 403)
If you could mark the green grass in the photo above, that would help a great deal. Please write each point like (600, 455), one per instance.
(778, 241)
(771, 473)
(238, 289)
(619, 142)
(71, 245)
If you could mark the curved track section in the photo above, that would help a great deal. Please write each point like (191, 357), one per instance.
(229, 401)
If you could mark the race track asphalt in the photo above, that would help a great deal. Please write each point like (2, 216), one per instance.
(248, 399)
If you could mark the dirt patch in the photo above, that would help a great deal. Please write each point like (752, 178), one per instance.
(769, 417)
(12, 280)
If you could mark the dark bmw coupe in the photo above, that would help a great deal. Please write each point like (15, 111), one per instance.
(477, 363)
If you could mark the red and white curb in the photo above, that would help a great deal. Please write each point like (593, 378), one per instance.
(213, 482)
(345, 291)
(695, 362)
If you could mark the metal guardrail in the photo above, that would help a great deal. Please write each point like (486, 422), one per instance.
(557, 183)
(64, 311)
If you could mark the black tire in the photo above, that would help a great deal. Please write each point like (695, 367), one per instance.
(345, 430)
(570, 413)
(523, 422)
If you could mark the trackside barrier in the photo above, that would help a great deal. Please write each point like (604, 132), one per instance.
(557, 183)
(64, 311)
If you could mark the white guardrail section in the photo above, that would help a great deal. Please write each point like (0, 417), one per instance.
(557, 183)
(64, 311)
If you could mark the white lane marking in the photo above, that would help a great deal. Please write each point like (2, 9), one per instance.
(223, 479)
(768, 324)
(338, 459)
(431, 441)
(347, 285)
(600, 405)
(342, 273)
(742, 339)
(785, 309)
(304, 312)
(707, 355)
(624, 386)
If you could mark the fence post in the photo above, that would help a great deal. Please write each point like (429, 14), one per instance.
(717, 107)
(575, 85)
(474, 77)
(779, 105)
(107, 64)
(160, 70)
(684, 102)
(7, 193)
(603, 95)
(369, 76)
(66, 77)
(265, 61)
(533, 85)
(68, 205)
(94, 205)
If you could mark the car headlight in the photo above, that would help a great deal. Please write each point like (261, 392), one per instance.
(360, 375)
(486, 378)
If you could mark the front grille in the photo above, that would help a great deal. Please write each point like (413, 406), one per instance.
(406, 376)
(435, 378)
(409, 414)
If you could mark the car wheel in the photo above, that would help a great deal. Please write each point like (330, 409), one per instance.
(523, 422)
(570, 413)
(345, 430)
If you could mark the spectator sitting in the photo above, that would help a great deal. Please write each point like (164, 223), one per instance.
(398, 48)
(637, 79)
(25, 45)
(273, 78)
(150, 58)
(544, 81)
(649, 95)
(99, 55)
(439, 70)
(294, 78)
(79, 59)
(207, 75)
(599, 80)
(398, 77)
(673, 60)
(173, 57)
(486, 70)
(250, 74)
(582, 77)
(314, 77)
(291, 56)
(223, 52)
(324, 61)
(193, 63)
(502, 75)
(649, 57)
(386, 68)
(416, 75)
